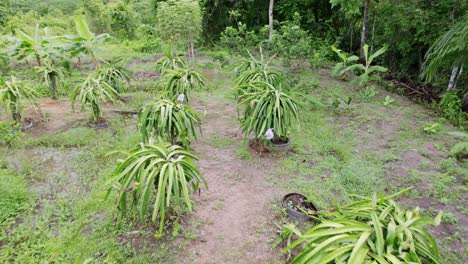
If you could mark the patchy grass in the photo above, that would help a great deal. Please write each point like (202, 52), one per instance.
(53, 186)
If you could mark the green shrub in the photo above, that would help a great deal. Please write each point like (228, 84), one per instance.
(239, 39)
(10, 133)
(432, 128)
(291, 42)
(451, 107)
(459, 150)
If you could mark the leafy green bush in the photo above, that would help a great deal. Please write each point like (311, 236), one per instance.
(371, 230)
(368, 93)
(267, 107)
(388, 100)
(157, 178)
(239, 39)
(432, 128)
(459, 150)
(173, 122)
(10, 133)
(291, 42)
(451, 107)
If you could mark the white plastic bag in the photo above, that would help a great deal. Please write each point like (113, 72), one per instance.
(181, 98)
(269, 134)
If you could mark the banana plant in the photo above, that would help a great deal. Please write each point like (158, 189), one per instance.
(86, 42)
(267, 108)
(170, 62)
(27, 46)
(367, 72)
(370, 230)
(156, 179)
(181, 81)
(13, 92)
(93, 92)
(115, 74)
(340, 67)
(173, 122)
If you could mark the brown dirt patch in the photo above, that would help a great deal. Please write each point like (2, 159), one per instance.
(236, 221)
(57, 115)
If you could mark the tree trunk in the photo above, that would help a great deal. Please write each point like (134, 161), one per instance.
(192, 50)
(351, 34)
(453, 76)
(38, 60)
(458, 76)
(270, 19)
(365, 21)
(373, 31)
(15, 113)
(53, 84)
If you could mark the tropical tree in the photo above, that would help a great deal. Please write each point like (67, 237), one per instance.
(367, 71)
(12, 94)
(28, 47)
(92, 93)
(267, 108)
(180, 23)
(86, 42)
(157, 178)
(173, 122)
(170, 62)
(371, 230)
(270, 19)
(450, 49)
(352, 8)
(181, 81)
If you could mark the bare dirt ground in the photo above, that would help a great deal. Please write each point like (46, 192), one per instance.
(234, 217)
(54, 116)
